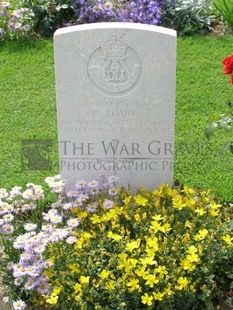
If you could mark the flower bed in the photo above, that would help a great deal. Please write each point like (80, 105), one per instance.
(101, 247)
(30, 18)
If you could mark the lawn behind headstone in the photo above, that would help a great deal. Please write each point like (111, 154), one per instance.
(28, 111)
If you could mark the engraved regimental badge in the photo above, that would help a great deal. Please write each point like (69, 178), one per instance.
(114, 67)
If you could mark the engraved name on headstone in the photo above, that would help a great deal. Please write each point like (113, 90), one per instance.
(115, 86)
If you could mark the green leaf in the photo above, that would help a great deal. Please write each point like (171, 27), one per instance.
(231, 147)
(225, 8)
(225, 147)
(225, 125)
(231, 224)
(228, 302)
(209, 131)
(231, 286)
(229, 275)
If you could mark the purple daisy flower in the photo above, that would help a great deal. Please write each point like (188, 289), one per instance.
(112, 192)
(108, 204)
(71, 240)
(30, 226)
(92, 207)
(19, 305)
(7, 229)
(73, 222)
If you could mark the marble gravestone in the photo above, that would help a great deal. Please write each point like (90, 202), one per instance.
(115, 87)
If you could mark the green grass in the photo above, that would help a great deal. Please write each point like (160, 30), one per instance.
(202, 92)
(28, 111)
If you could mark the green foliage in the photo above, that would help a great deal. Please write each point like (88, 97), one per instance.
(16, 20)
(170, 248)
(225, 122)
(49, 15)
(186, 17)
(201, 90)
(225, 8)
(44, 17)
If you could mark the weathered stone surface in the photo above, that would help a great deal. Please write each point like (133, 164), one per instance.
(115, 85)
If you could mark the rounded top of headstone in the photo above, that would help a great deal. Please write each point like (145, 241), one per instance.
(115, 25)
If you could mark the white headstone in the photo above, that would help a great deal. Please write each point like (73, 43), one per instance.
(115, 86)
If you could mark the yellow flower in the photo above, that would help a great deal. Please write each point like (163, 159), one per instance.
(200, 249)
(84, 279)
(127, 264)
(200, 211)
(85, 236)
(158, 296)
(146, 299)
(95, 219)
(186, 238)
(115, 224)
(137, 217)
(152, 243)
(48, 273)
(77, 298)
(192, 254)
(132, 262)
(214, 206)
(111, 214)
(190, 202)
(189, 224)
(83, 214)
(183, 283)
(56, 290)
(151, 280)
(192, 249)
(77, 287)
(74, 268)
(157, 217)
(188, 190)
(141, 201)
(227, 238)
(113, 236)
(127, 200)
(187, 265)
(202, 233)
(165, 228)
(141, 272)
(156, 226)
(150, 252)
(149, 260)
(133, 284)
(213, 212)
(104, 274)
(168, 291)
(123, 304)
(111, 285)
(53, 297)
(133, 245)
(162, 271)
(52, 300)
(123, 256)
(178, 203)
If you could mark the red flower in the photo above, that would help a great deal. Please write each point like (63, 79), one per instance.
(228, 66)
